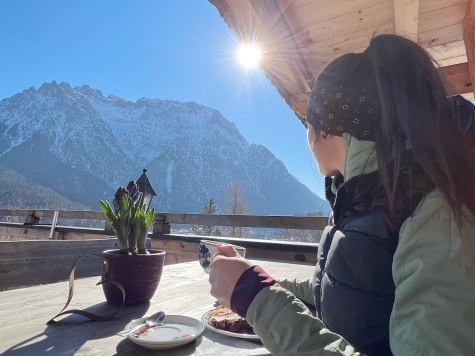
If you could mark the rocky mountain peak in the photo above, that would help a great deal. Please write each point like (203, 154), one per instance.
(54, 90)
(84, 145)
(88, 91)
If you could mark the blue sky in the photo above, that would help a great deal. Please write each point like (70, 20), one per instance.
(169, 49)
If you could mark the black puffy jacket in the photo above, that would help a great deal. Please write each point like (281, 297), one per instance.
(353, 284)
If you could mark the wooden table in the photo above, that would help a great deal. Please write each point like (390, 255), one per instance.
(183, 290)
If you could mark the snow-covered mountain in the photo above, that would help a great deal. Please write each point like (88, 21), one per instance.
(84, 145)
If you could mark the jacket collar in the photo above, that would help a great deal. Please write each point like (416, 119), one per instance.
(360, 157)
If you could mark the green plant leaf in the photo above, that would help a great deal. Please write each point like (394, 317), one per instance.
(104, 207)
(149, 218)
(114, 220)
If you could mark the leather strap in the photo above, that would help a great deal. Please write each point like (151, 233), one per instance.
(92, 316)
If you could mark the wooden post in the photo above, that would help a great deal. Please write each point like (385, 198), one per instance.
(457, 79)
(108, 226)
(160, 226)
(406, 18)
(53, 224)
(32, 219)
(469, 38)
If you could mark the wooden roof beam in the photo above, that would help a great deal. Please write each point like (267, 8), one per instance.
(469, 39)
(285, 34)
(457, 79)
(406, 18)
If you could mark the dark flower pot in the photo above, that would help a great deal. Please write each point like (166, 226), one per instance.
(138, 274)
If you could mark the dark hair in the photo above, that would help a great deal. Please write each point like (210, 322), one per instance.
(415, 114)
(465, 110)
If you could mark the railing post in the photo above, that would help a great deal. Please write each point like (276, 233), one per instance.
(32, 219)
(160, 226)
(53, 224)
(108, 226)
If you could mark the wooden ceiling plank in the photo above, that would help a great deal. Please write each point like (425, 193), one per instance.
(331, 7)
(283, 76)
(285, 55)
(469, 38)
(368, 20)
(430, 38)
(406, 18)
(431, 5)
(440, 36)
(323, 10)
(345, 43)
(294, 3)
(452, 61)
(319, 54)
(447, 51)
(299, 102)
(441, 18)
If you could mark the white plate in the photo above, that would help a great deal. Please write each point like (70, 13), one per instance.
(177, 330)
(204, 320)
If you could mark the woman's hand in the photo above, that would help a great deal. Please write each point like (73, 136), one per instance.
(228, 266)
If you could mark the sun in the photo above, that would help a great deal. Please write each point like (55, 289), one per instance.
(249, 56)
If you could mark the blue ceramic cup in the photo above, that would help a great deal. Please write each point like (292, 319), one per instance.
(208, 251)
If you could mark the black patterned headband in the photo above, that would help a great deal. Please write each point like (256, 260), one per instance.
(335, 109)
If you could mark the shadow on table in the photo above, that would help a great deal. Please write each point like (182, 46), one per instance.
(239, 346)
(209, 341)
(70, 333)
(127, 347)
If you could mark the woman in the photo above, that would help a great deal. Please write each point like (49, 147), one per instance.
(396, 267)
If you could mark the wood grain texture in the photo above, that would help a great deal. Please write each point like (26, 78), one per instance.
(448, 54)
(25, 263)
(406, 18)
(183, 290)
(469, 38)
(367, 19)
(442, 17)
(70, 214)
(185, 248)
(431, 5)
(324, 11)
(270, 221)
(441, 36)
(457, 79)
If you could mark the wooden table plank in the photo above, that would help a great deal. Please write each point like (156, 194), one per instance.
(183, 290)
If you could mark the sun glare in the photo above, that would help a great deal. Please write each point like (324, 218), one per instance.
(249, 56)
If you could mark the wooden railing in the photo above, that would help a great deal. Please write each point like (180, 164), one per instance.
(179, 247)
(33, 216)
(25, 263)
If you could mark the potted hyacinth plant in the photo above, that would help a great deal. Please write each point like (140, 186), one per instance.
(135, 268)
(129, 218)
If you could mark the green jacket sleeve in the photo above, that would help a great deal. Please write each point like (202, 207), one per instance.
(434, 274)
(302, 289)
(287, 327)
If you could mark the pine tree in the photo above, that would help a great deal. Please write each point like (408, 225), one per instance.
(234, 199)
(209, 208)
